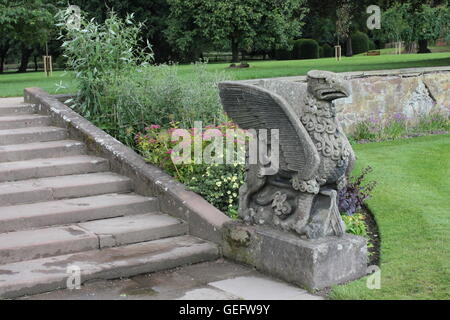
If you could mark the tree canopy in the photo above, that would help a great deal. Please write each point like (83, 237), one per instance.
(26, 24)
(243, 24)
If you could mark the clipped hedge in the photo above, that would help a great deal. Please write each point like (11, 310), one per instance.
(305, 49)
(328, 51)
(360, 42)
(283, 54)
(321, 52)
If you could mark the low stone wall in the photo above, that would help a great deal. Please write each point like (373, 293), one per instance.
(390, 93)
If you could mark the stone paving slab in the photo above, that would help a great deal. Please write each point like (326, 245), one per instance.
(195, 282)
(260, 288)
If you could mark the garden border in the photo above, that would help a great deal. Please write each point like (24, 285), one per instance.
(205, 221)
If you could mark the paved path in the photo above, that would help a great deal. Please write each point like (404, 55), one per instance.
(218, 280)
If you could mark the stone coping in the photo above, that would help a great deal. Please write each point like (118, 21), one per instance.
(406, 72)
(205, 221)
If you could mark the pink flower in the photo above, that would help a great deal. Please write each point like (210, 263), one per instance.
(170, 151)
(154, 126)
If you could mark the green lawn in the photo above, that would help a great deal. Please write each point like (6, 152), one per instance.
(12, 84)
(433, 49)
(270, 69)
(412, 208)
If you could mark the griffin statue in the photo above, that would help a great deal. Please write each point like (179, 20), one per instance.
(314, 155)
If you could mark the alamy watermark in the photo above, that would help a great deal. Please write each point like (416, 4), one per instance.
(374, 20)
(232, 147)
(73, 21)
(373, 281)
(74, 279)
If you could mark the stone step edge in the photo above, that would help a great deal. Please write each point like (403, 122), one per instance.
(86, 236)
(41, 189)
(48, 274)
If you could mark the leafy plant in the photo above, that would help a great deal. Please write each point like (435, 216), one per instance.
(355, 224)
(122, 93)
(100, 55)
(352, 197)
(218, 183)
(398, 126)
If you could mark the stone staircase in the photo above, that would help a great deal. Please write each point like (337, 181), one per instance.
(60, 208)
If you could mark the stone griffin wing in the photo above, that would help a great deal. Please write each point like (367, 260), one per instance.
(253, 107)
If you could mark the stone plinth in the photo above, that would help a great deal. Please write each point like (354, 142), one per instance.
(313, 264)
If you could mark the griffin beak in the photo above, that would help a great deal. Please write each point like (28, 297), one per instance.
(337, 91)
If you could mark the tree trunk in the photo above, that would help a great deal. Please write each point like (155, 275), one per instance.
(423, 46)
(2, 63)
(3, 53)
(35, 63)
(349, 51)
(234, 50)
(26, 53)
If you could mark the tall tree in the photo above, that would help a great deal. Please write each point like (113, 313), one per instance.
(343, 23)
(25, 23)
(154, 15)
(429, 22)
(410, 21)
(244, 24)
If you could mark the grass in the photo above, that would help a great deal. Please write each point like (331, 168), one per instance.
(433, 49)
(12, 84)
(411, 206)
(270, 69)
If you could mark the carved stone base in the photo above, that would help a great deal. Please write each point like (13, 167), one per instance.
(312, 264)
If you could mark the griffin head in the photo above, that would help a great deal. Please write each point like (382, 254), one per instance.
(328, 86)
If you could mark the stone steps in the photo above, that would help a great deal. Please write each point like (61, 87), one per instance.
(41, 168)
(36, 150)
(15, 109)
(60, 207)
(53, 241)
(23, 121)
(56, 188)
(50, 213)
(14, 106)
(32, 134)
(47, 274)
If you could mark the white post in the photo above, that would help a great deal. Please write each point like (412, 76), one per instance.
(337, 52)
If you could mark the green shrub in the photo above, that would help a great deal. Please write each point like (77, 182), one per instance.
(328, 51)
(372, 45)
(360, 42)
(99, 54)
(356, 192)
(305, 49)
(432, 123)
(217, 183)
(398, 125)
(158, 94)
(355, 224)
(284, 53)
(320, 52)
